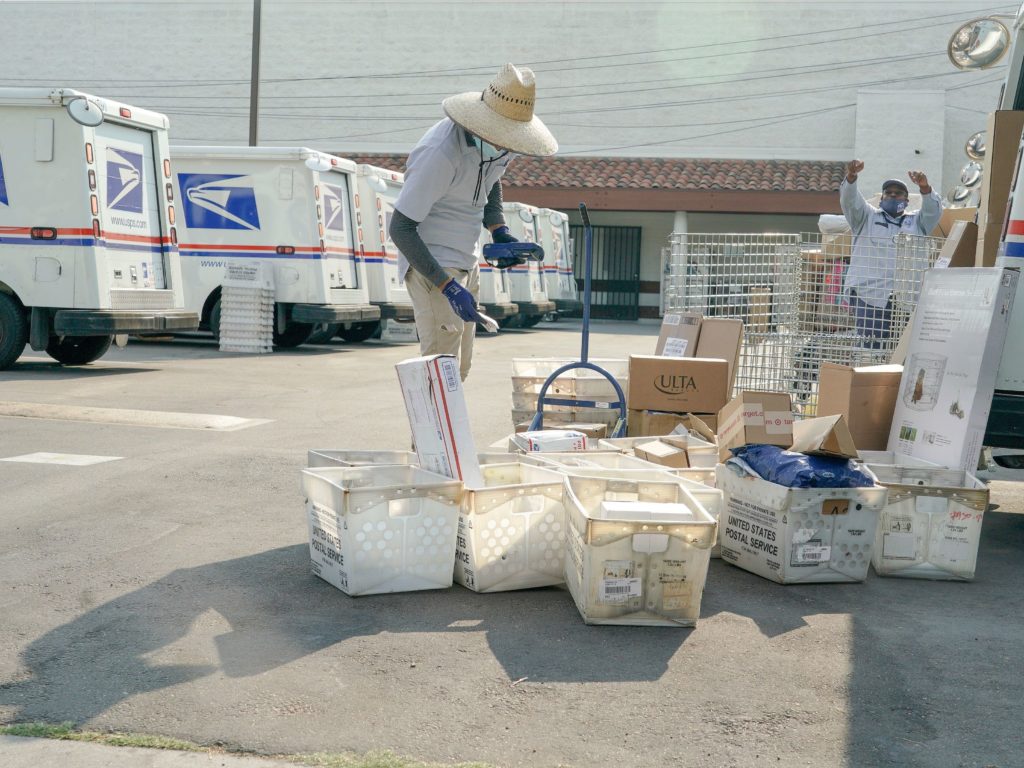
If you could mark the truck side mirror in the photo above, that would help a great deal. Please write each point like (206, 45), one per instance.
(85, 112)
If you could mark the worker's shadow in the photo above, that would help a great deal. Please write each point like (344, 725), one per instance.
(275, 613)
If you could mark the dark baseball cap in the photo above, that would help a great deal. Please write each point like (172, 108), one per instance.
(895, 183)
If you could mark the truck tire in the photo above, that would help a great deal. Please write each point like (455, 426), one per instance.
(531, 320)
(214, 320)
(13, 331)
(295, 334)
(323, 333)
(78, 350)
(356, 332)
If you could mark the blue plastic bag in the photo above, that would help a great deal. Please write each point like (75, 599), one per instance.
(798, 470)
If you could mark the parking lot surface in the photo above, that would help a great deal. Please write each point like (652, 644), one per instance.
(154, 578)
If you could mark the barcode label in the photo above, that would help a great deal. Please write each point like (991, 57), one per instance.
(619, 590)
(451, 379)
(812, 553)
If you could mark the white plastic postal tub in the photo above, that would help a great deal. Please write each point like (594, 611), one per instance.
(381, 529)
(606, 458)
(330, 457)
(644, 565)
(798, 535)
(931, 526)
(701, 453)
(512, 531)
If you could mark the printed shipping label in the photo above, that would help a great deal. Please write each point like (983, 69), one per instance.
(675, 348)
(811, 554)
(899, 546)
(619, 590)
(672, 319)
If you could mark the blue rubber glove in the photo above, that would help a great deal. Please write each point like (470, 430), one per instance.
(502, 235)
(462, 301)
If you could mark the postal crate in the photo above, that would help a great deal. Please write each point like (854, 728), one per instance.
(701, 453)
(511, 532)
(331, 457)
(931, 526)
(645, 568)
(798, 535)
(379, 529)
(614, 460)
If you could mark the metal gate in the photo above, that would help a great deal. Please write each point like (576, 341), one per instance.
(615, 280)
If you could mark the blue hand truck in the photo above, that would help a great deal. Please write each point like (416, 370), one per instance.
(542, 399)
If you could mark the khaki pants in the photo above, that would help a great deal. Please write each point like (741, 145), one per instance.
(440, 330)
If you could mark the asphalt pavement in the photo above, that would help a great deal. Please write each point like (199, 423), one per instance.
(155, 579)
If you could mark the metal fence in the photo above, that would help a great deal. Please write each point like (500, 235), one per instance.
(804, 299)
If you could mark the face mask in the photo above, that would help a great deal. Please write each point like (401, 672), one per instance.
(489, 151)
(894, 207)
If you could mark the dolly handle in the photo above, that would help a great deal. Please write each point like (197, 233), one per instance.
(585, 215)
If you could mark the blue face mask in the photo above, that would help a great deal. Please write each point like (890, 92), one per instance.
(893, 206)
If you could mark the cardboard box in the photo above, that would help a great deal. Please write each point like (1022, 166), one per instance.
(1002, 140)
(656, 423)
(824, 436)
(664, 452)
(755, 417)
(592, 431)
(759, 313)
(865, 395)
(953, 355)
(960, 246)
(678, 384)
(949, 218)
(721, 337)
(550, 441)
(679, 333)
(438, 417)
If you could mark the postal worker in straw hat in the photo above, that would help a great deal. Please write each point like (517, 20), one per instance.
(452, 186)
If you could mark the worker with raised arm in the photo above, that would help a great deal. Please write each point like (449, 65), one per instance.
(869, 280)
(452, 185)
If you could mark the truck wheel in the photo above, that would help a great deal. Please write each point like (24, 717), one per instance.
(13, 331)
(356, 332)
(323, 333)
(295, 334)
(78, 350)
(214, 320)
(516, 321)
(531, 320)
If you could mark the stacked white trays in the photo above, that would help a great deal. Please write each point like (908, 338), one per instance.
(643, 568)
(381, 529)
(530, 373)
(612, 460)
(798, 535)
(512, 531)
(329, 457)
(931, 527)
(246, 309)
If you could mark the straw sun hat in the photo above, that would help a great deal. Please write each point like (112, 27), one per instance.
(503, 114)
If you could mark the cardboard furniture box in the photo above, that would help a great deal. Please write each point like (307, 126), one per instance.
(679, 333)
(824, 436)
(953, 353)
(721, 337)
(436, 404)
(865, 395)
(677, 384)
(688, 334)
(1003, 140)
(655, 423)
(755, 417)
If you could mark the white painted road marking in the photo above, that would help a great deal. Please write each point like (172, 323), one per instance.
(163, 419)
(69, 459)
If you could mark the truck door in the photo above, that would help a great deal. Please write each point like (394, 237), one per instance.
(339, 235)
(129, 210)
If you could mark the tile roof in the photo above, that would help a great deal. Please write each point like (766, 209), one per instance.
(659, 173)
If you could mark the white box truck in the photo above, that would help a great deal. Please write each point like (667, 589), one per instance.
(495, 286)
(289, 208)
(559, 279)
(527, 286)
(87, 237)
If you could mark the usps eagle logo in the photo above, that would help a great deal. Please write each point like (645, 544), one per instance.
(218, 201)
(334, 208)
(124, 180)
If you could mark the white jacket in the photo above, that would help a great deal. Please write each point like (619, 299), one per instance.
(873, 259)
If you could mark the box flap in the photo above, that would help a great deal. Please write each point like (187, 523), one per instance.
(824, 436)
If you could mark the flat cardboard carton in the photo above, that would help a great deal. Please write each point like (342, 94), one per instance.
(550, 441)
(662, 452)
(721, 337)
(436, 405)
(678, 385)
(1003, 140)
(592, 431)
(865, 395)
(949, 218)
(960, 246)
(953, 355)
(755, 417)
(824, 436)
(655, 423)
(679, 333)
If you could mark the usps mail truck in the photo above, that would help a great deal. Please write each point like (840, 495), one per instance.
(559, 279)
(527, 286)
(87, 237)
(495, 285)
(291, 209)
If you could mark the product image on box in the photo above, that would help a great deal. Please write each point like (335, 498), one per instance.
(922, 387)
